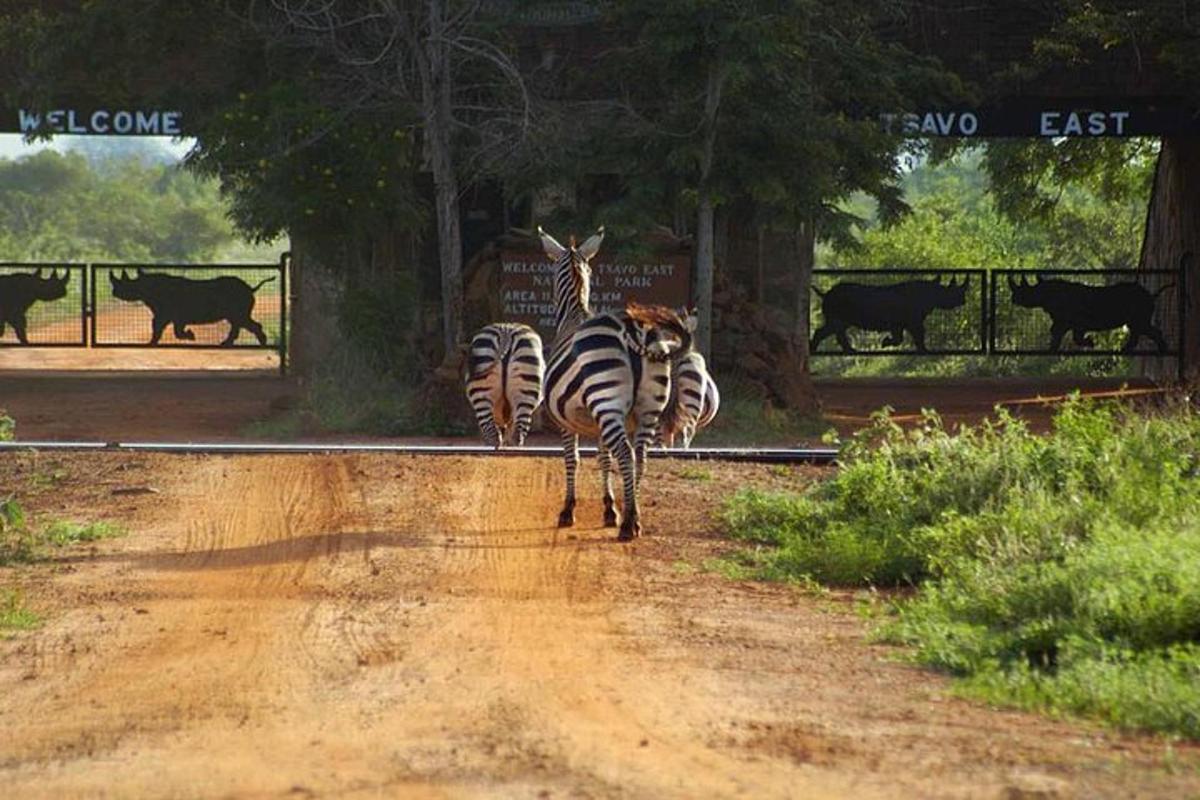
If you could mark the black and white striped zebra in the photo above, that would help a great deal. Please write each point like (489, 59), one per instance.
(694, 399)
(503, 379)
(607, 374)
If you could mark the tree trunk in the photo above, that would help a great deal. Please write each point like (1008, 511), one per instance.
(439, 122)
(703, 290)
(794, 382)
(805, 245)
(705, 216)
(312, 313)
(1172, 233)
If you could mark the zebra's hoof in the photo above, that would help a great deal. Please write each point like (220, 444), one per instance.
(629, 531)
(610, 518)
(566, 519)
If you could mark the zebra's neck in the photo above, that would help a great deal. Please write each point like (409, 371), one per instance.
(572, 295)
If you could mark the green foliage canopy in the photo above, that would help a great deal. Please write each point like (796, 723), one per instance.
(56, 206)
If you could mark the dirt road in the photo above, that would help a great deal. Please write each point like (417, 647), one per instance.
(406, 627)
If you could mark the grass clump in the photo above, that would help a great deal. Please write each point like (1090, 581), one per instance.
(747, 417)
(22, 542)
(17, 542)
(347, 394)
(62, 532)
(14, 614)
(1059, 572)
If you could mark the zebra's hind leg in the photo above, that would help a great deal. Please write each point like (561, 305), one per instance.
(488, 430)
(616, 441)
(689, 433)
(522, 424)
(611, 518)
(647, 430)
(570, 443)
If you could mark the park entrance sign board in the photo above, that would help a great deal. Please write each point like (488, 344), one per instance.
(95, 121)
(1090, 118)
(527, 285)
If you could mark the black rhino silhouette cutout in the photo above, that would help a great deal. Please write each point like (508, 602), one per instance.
(18, 292)
(180, 302)
(1084, 309)
(894, 308)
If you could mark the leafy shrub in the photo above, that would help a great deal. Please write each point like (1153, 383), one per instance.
(8, 428)
(1058, 571)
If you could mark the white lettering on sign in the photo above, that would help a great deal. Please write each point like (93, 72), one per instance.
(527, 266)
(1016, 122)
(103, 121)
(936, 123)
(1077, 123)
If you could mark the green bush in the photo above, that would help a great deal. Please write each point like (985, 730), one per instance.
(1058, 571)
(8, 428)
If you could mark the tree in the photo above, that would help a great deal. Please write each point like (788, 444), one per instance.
(56, 206)
(763, 114)
(434, 62)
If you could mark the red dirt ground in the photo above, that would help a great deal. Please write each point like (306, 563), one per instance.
(398, 626)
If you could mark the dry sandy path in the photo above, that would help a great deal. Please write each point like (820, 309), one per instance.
(406, 627)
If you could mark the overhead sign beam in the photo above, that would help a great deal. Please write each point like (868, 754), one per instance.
(1052, 118)
(94, 121)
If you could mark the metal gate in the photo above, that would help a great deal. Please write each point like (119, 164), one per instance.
(43, 305)
(1021, 312)
(181, 306)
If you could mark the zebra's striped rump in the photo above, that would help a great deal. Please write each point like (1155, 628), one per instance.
(694, 400)
(503, 379)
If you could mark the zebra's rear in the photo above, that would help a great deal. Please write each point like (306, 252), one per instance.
(503, 380)
(694, 400)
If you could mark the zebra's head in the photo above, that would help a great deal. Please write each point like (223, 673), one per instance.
(572, 270)
(657, 333)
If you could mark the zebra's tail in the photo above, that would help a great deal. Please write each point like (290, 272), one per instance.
(260, 284)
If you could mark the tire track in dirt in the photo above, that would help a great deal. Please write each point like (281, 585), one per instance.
(570, 691)
(221, 647)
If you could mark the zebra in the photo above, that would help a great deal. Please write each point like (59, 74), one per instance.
(606, 373)
(694, 399)
(503, 378)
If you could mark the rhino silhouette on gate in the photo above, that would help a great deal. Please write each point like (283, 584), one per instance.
(894, 308)
(18, 292)
(1083, 309)
(180, 302)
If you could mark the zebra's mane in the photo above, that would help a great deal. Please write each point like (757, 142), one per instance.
(653, 315)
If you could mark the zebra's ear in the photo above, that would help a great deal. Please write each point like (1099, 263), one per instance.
(690, 320)
(592, 246)
(554, 250)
